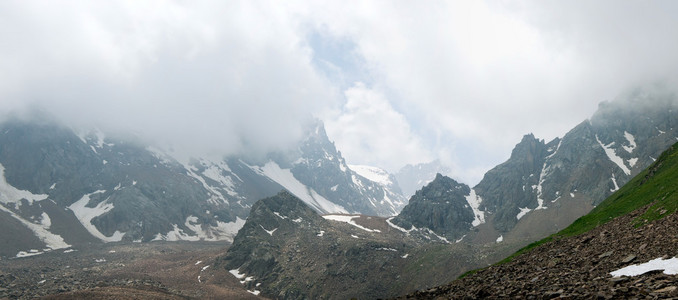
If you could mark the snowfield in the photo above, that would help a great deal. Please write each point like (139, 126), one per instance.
(285, 178)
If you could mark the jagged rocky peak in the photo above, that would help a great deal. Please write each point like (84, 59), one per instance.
(441, 206)
(318, 165)
(253, 250)
(590, 162)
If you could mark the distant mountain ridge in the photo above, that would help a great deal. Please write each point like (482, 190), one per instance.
(413, 177)
(65, 187)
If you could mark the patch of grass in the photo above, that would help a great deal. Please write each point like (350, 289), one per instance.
(467, 273)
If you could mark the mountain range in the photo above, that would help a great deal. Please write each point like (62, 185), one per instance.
(334, 226)
(542, 188)
(62, 187)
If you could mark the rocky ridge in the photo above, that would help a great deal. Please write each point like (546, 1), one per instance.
(287, 251)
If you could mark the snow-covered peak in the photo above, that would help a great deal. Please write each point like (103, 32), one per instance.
(375, 174)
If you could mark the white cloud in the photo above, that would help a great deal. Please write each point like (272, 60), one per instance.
(210, 77)
(369, 131)
(460, 81)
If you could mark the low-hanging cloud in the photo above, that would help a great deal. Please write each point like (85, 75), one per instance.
(461, 81)
(202, 78)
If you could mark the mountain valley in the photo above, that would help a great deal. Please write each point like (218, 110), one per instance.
(304, 224)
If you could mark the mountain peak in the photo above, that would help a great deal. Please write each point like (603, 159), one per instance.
(441, 206)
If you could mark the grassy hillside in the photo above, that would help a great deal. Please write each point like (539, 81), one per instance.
(655, 186)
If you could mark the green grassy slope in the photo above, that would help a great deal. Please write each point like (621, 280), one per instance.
(655, 186)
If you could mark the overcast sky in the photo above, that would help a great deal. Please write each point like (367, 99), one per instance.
(395, 82)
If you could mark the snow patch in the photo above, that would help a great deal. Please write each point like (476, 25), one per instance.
(373, 173)
(215, 172)
(285, 178)
(270, 232)
(45, 221)
(221, 232)
(10, 194)
(616, 186)
(460, 239)
(237, 274)
(542, 177)
(321, 233)
(670, 267)
(31, 252)
(632, 142)
(349, 220)
(500, 239)
(51, 240)
(474, 201)
(523, 212)
(86, 214)
(612, 155)
(398, 227)
(633, 161)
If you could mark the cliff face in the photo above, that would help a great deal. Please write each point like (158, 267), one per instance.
(440, 206)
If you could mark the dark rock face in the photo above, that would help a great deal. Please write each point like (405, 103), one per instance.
(508, 186)
(589, 163)
(147, 194)
(440, 206)
(252, 251)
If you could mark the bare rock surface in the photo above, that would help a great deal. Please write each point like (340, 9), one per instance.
(578, 267)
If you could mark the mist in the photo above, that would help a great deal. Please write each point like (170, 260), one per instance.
(395, 82)
(197, 80)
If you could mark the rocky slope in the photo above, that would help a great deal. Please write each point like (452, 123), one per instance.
(61, 187)
(633, 226)
(287, 251)
(578, 267)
